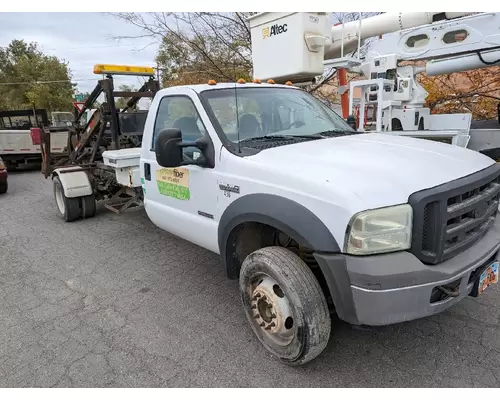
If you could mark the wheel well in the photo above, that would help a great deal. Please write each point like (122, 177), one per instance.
(421, 124)
(492, 153)
(396, 124)
(248, 237)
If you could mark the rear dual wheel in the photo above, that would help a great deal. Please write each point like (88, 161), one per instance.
(285, 305)
(73, 208)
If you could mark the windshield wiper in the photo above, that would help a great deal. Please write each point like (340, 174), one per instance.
(273, 138)
(336, 133)
(313, 136)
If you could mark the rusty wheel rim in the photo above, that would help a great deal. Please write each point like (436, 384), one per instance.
(271, 311)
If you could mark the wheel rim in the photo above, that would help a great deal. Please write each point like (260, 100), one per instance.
(271, 312)
(60, 199)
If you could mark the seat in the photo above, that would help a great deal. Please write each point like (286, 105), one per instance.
(248, 126)
(188, 127)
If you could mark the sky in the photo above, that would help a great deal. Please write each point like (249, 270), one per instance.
(83, 40)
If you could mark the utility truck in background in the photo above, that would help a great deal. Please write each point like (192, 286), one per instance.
(442, 43)
(312, 217)
(18, 132)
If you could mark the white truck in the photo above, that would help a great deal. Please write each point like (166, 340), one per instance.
(17, 145)
(310, 216)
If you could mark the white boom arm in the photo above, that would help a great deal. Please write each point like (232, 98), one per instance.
(467, 43)
(345, 38)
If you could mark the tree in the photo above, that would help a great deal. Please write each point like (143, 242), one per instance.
(476, 92)
(197, 46)
(121, 102)
(22, 66)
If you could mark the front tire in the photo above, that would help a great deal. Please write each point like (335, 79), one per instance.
(4, 187)
(69, 208)
(285, 305)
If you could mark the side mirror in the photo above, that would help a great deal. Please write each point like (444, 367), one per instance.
(167, 148)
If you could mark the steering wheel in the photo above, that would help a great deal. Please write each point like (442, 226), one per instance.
(297, 123)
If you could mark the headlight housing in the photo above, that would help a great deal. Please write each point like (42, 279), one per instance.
(381, 230)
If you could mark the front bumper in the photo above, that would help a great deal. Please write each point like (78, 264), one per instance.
(397, 287)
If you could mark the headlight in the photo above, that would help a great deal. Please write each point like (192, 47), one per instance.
(2, 165)
(380, 231)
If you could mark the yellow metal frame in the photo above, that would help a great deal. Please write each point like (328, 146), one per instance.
(109, 69)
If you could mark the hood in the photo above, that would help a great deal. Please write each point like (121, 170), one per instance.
(380, 169)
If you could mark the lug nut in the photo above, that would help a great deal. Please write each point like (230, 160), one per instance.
(271, 325)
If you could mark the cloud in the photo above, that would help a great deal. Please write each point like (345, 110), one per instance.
(83, 40)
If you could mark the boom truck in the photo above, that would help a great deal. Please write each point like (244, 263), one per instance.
(456, 43)
(311, 217)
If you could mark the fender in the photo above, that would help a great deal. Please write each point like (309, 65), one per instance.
(75, 183)
(290, 217)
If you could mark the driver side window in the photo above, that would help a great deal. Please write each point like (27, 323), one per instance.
(179, 112)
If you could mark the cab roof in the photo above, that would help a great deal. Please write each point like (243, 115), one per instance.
(226, 85)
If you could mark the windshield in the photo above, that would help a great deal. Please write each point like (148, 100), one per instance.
(270, 111)
(62, 118)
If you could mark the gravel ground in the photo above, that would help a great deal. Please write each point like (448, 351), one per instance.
(114, 301)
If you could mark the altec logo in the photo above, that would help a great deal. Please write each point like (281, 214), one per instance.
(274, 30)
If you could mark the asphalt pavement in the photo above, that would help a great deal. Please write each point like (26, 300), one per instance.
(114, 301)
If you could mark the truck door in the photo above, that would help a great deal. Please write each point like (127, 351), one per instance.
(181, 200)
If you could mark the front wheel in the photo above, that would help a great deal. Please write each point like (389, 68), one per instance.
(4, 187)
(285, 305)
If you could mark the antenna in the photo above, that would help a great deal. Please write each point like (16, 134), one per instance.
(237, 117)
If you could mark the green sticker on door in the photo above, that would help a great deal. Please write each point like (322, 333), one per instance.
(173, 182)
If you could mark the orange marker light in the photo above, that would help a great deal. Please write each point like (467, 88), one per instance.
(270, 81)
(256, 81)
(212, 82)
(288, 83)
(241, 80)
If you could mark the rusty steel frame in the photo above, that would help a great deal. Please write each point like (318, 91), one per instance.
(89, 139)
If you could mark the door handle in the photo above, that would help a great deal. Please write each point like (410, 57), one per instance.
(147, 171)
